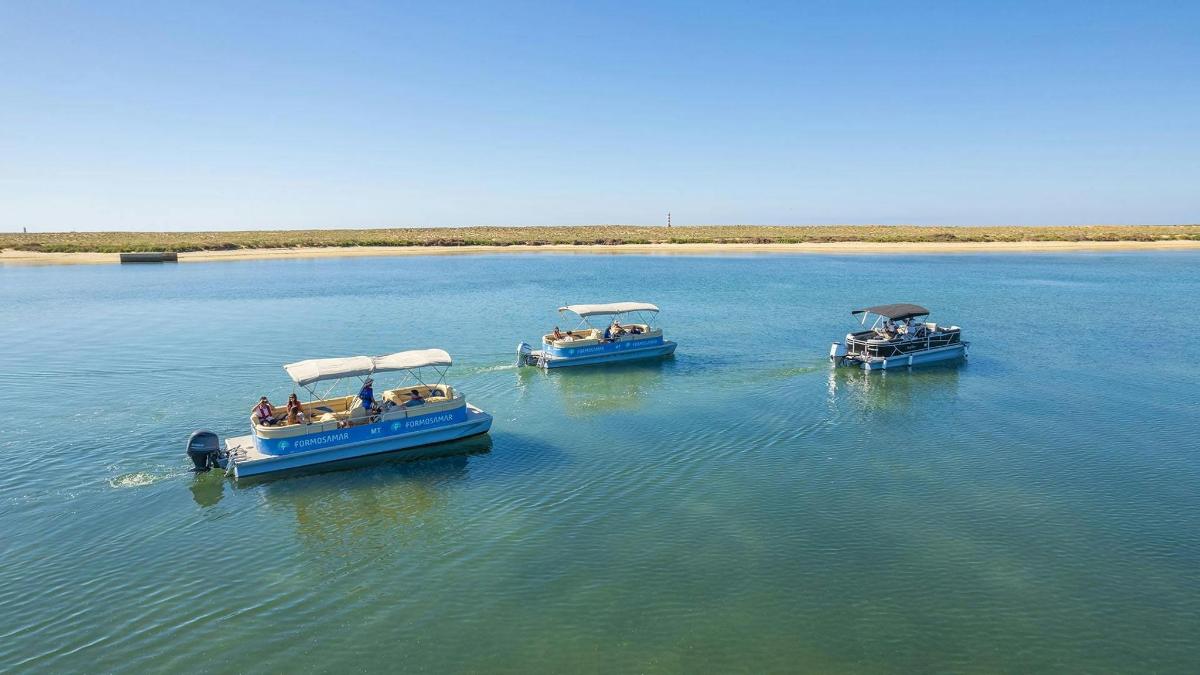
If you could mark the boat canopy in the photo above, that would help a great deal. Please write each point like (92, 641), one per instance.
(609, 308)
(307, 372)
(896, 312)
(417, 358)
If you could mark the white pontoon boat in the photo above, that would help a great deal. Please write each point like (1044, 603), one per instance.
(341, 427)
(899, 336)
(589, 345)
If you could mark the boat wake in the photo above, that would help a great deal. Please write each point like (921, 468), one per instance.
(141, 479)
(490, 369)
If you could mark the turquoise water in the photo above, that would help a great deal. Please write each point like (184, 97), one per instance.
(740, 507)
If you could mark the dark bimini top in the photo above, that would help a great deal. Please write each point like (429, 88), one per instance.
(896, 312)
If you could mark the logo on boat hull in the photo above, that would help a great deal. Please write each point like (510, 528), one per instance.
(321, 440)
(428, 420)
(360, 434)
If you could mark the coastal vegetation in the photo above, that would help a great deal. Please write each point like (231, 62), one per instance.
(120, 242)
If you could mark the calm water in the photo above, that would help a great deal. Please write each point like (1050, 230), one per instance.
(741, 507)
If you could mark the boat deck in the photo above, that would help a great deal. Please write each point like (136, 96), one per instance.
(241, 448)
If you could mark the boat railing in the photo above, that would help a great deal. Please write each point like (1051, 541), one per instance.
(885, 347)
(646, 334)
(341, 421)
(594, 337)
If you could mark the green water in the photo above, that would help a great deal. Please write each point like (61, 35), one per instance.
(740, 507)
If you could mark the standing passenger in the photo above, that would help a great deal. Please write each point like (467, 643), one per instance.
(367, 395)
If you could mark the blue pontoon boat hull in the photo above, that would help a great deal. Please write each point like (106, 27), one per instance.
(247, 456)
(610, 352)
(921, 358)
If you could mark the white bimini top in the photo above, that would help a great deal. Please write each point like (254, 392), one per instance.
(315, 370)
(609, 308)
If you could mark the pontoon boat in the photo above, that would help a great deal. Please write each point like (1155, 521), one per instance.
(342, 427)
(590, 345)
(899, 336)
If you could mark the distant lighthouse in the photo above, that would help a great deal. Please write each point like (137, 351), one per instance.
(668, 218)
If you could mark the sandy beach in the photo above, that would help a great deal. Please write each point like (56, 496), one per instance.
(14, 257)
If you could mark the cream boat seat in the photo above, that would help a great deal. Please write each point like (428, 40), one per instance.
(431, 394)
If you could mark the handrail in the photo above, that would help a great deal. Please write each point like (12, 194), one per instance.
(887, 348)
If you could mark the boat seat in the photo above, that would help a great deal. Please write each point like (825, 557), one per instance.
(399, 396)
(357, 411)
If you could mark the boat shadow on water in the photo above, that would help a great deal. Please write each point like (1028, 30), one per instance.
(591, 390)
(900, 389)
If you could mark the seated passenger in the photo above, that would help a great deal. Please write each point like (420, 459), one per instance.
(636, 330)
(295, 411)
(414, 399)
(262, 413)
(558, 334)
(608, 333)
(617, 329)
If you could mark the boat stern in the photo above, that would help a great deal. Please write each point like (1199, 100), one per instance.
(527, 356)
(837, 351)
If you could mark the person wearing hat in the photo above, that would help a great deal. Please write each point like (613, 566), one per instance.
(263, 412)
(367, 395)
(414, 398)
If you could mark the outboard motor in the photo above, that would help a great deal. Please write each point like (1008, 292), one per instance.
(837, 351)
(205, 450)
(523, 352)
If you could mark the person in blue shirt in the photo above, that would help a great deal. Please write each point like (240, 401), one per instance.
(414, 399)
(608, 333)
(367, 394)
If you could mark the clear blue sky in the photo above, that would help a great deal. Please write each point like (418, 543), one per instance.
(214, 115)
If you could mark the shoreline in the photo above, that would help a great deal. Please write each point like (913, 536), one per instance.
(15, 257)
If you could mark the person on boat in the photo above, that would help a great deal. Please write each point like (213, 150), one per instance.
(263, 414)
(617, 329)
(414, 399)
(558, 334)
(888, 331)
(367, 394)
(295, 411)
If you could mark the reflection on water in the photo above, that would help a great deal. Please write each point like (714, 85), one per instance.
(592, 390)
(208, 488)
(362, 499)
(899, 389)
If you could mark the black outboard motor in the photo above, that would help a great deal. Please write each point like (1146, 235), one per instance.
(205, 450)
